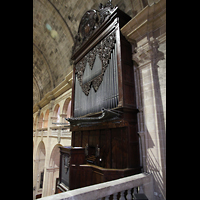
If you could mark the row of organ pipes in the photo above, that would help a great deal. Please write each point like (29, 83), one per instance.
(106, 96)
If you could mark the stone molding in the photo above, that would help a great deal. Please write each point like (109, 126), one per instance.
(147, 53)
(148, 20)
(65, 85)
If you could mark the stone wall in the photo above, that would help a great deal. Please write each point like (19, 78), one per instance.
(46, 141)
(147, 33)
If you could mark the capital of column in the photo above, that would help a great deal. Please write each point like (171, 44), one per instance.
(50, 106)
(148, 52)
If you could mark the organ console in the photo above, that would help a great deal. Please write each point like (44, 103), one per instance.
(104, 113)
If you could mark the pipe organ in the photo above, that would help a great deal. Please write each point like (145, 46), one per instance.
(96, 86)
(104, 113)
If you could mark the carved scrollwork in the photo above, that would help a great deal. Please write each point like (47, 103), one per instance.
(97, 82)
(104, 50)
(105, 10)
(80, 68)
(107, 46)
(66, 160)
(91, 21)
(91, 57)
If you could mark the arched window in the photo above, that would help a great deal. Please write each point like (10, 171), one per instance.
(46, 119)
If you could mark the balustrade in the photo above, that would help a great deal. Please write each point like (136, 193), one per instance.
(125, 194)
(122, 189)
(56, 131)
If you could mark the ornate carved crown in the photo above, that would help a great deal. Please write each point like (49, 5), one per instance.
(90, 22)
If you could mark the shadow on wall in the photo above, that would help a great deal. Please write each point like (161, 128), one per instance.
(156, 157)
(154, 167)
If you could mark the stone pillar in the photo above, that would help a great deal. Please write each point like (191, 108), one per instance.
(48, 146)
(147, 33)
(147, 56)
(35, 177)
(51, 180)
(35, 162)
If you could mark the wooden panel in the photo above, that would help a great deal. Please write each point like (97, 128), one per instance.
(133, 136)
(38, 196)
(97, 177)
(77, 142)
(105, 148)
(119, 148)
(77, 156)
(128, 73)
(129, 95)
(85, 138)
(94, 138)
(91, 174)
(126, 51)
(75, 181)
(86, 176)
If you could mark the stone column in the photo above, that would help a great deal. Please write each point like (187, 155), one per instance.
(35, 177)
(147, 56)
(46, 174)
(35, 162)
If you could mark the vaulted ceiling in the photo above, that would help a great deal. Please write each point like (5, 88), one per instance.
(55, 24)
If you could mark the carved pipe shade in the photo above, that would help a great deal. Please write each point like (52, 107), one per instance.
(103, 50)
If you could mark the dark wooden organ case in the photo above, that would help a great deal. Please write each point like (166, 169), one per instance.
(104, 113)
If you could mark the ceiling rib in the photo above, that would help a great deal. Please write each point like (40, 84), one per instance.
(48, 67)
(62, 19)
(37, 86)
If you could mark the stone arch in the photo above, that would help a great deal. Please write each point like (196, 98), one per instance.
(56, 113)
(41, 152)
(39, 169)
(46, 117)
(67, 107)
(35, 123)
(53, 170)
(55, 156)
(40, 122)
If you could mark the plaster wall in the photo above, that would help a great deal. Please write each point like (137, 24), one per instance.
(50, 141)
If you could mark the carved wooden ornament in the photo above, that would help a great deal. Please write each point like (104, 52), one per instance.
(90, 22)
(104, 50)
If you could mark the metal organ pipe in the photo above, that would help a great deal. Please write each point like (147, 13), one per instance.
(107, 94)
